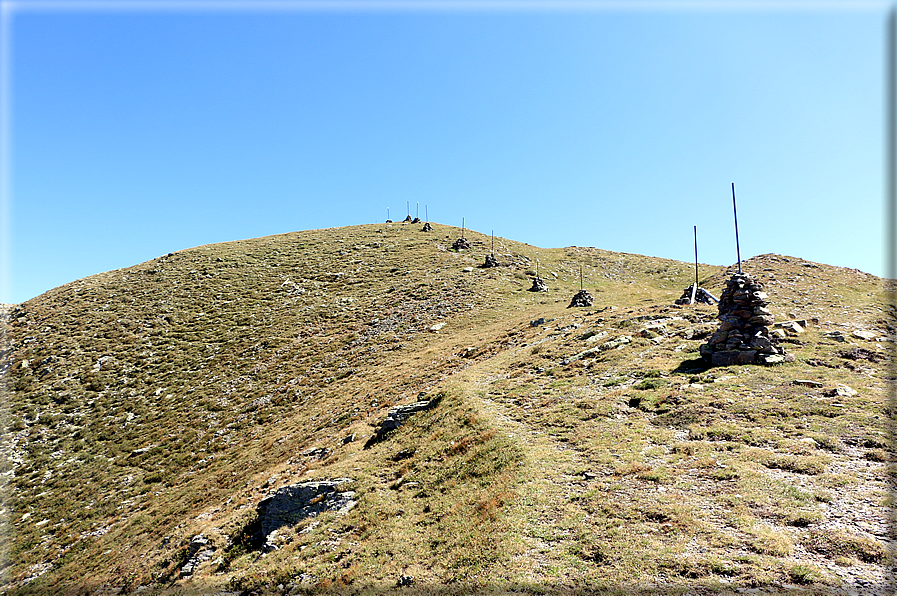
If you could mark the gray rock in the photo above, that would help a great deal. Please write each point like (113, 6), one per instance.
(540, 321)
(197, 554)
(841, 391)
(771, 358)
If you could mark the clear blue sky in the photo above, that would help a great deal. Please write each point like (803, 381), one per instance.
(136, 133)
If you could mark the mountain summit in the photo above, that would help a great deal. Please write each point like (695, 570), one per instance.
(366, 409)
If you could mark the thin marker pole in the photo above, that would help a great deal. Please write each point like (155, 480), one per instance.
(417, 210)
(427, 212)
(493, 243)
(735, 210)
(694, 286)
(387, 213)
(696, 256)
(462, 227)
(408, 206)
(580, 278)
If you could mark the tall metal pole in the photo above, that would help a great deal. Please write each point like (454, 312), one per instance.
(580, 278)
(462, 227)
(417, 210)
(696, 256)
(493, 243)
(737, 246)
(408, 206)
(427, 212)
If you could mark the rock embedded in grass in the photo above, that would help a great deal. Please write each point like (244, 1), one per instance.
(290, 504)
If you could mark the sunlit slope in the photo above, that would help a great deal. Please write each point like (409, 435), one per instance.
(151, 404)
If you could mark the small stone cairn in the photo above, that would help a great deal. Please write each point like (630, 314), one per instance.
(538, 285)
(461, 244)
(415, 220)
(743, 336)
(427, 227)
(491, 261)
(701, 295)
(408, 219)
(581, 298)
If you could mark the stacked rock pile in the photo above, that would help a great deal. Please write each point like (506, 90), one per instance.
(427, 227)
(743, 336)
(491, 261)
(582, 298)
(461, 244)
(538, 285)
(701, 295)
(408, 219)
(415, 220)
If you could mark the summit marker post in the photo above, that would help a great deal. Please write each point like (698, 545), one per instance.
(737, 246)
(694, 287)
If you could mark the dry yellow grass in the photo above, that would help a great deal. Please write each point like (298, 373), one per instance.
(151, 404)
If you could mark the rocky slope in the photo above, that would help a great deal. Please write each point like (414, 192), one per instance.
(212, 421)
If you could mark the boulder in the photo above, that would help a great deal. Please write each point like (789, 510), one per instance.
(867, 335)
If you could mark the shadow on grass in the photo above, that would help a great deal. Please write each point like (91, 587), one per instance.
(697, 365)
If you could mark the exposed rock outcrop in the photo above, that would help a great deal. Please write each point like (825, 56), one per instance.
(396, 417)
(198, 552)
(290, 504)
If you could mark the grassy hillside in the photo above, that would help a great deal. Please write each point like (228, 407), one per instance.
(588, 450)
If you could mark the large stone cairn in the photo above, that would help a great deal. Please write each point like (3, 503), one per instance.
(743, 336)
(581, 298)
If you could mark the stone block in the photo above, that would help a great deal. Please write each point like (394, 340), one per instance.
(733, 357)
